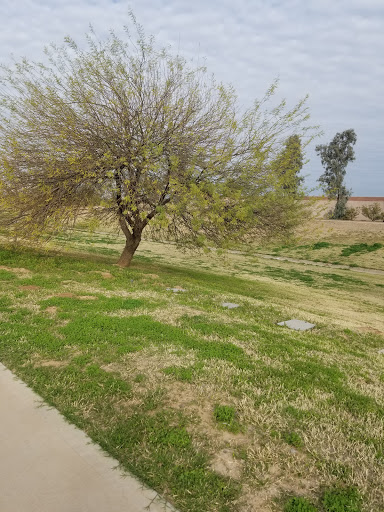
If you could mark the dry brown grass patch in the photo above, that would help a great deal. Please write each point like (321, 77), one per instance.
(51, 310)
(172, 313)
(105, 274)
(52, 364)
(125, 313)
(370, 329)
(227, 465)
(344, 231)
(150, 361)
(19, 271)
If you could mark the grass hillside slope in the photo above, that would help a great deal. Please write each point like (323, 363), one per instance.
(217, 409)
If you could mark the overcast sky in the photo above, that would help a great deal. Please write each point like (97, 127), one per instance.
(330, 49)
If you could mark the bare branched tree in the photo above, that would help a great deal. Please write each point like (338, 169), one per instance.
(133, 135)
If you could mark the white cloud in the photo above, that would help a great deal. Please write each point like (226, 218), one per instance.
(331, 50)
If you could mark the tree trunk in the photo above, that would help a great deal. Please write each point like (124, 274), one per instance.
(129, 250)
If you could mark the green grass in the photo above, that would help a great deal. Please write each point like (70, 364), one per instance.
(5, 275)
(342, 500)
(179, 467)
(166, 382)
(293, 439)
(320, 245)
(313, 278)
(299, 504)
(360, 248)
(359, 254)
(333, 500)
(185, 374)
(226, 417)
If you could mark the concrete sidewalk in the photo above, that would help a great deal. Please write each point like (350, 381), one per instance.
(48, 465)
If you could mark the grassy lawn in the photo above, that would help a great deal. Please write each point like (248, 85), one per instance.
(352, 243)
(217, 409)
(363, 255)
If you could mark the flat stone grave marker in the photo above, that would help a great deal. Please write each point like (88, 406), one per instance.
(230, 305)
(381, 351)
(176, 289)
(297, 325)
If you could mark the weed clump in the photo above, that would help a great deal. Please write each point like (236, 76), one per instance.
(299, 504)
(180, 373)
(342, 500)
(225, 415)
(293, 439)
